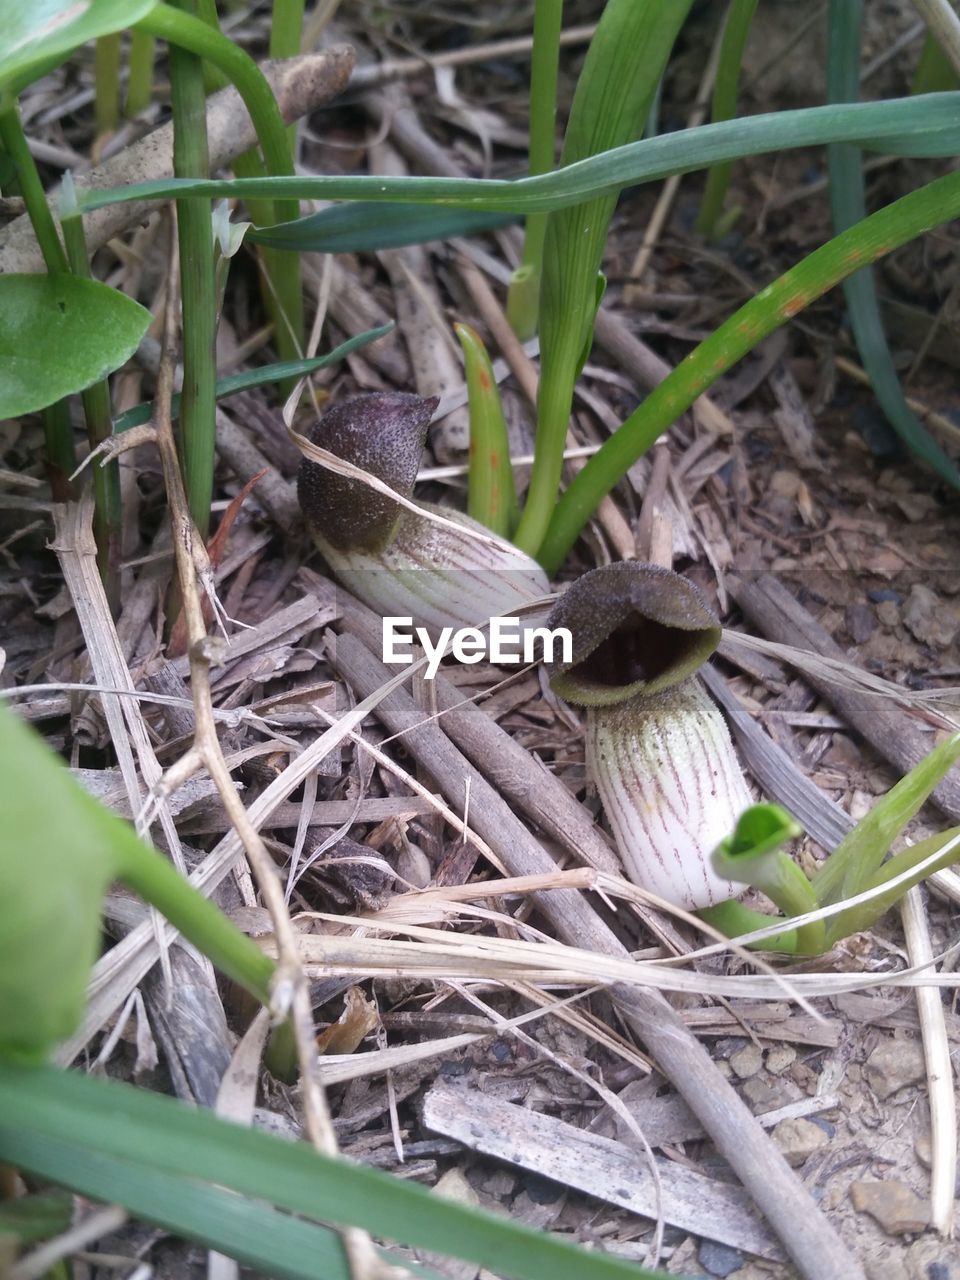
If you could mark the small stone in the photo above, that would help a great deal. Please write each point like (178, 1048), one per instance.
(893, 1065)
(778, 1059)
(719, 1259)
(798, 1139)
(766, 1094)
(929, 618)
(888, 612)
(860, 622)
(454, 1186)
(746, 1062)
(895, 1206)
(923, 1150)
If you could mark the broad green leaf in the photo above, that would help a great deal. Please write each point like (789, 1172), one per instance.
(258, 377)
(59, 850)
(60, 334)
(37, 34)
(920, 126)
(40, 1107)
(848, 204)
(364, 227)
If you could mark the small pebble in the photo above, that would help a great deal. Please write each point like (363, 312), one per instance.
(719, 1259)
(746, 1062)
(798, 1139)
(895, 1206)
(778, 1059)
(893, 1065)
(885, 594)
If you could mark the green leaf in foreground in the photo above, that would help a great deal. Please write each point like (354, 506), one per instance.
(37, 33)
(848, 204)
(268, 373)
(60, 334)
(42, 1109)
(364, 227)
(59, 850)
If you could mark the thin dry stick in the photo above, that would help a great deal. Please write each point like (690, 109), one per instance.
(400, 68)
(936, 1048)
(883, 723)
(290, 989)
(672, 185)
(806, 1234)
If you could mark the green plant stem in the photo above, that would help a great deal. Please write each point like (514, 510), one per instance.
(286, 33)
(106, 104)
(882, 232)
(624, 63)
(734, 920)
(197, 285)
(848, 204)
(735, 33)
(523, 297)
(99, 415)
(201, 922)
(58, 433)
(492, 497)
(140, 72)
(282, 290)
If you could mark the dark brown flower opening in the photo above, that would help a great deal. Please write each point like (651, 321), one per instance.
(636, 628)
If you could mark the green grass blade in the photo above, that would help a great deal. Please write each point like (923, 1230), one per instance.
(882, 232)
(43, 1106)
(253, 1233)
(492, 494)
(624, 63)
(724, 107)
(849, 205)
(918, 126)
(364, 227)
(268, 373)
(858, 856)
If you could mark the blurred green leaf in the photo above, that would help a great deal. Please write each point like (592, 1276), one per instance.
(36, 1217)
(42, 1111)
(37, 34)
(60, 334)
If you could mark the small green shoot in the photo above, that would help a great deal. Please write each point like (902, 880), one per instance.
(492, 495)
